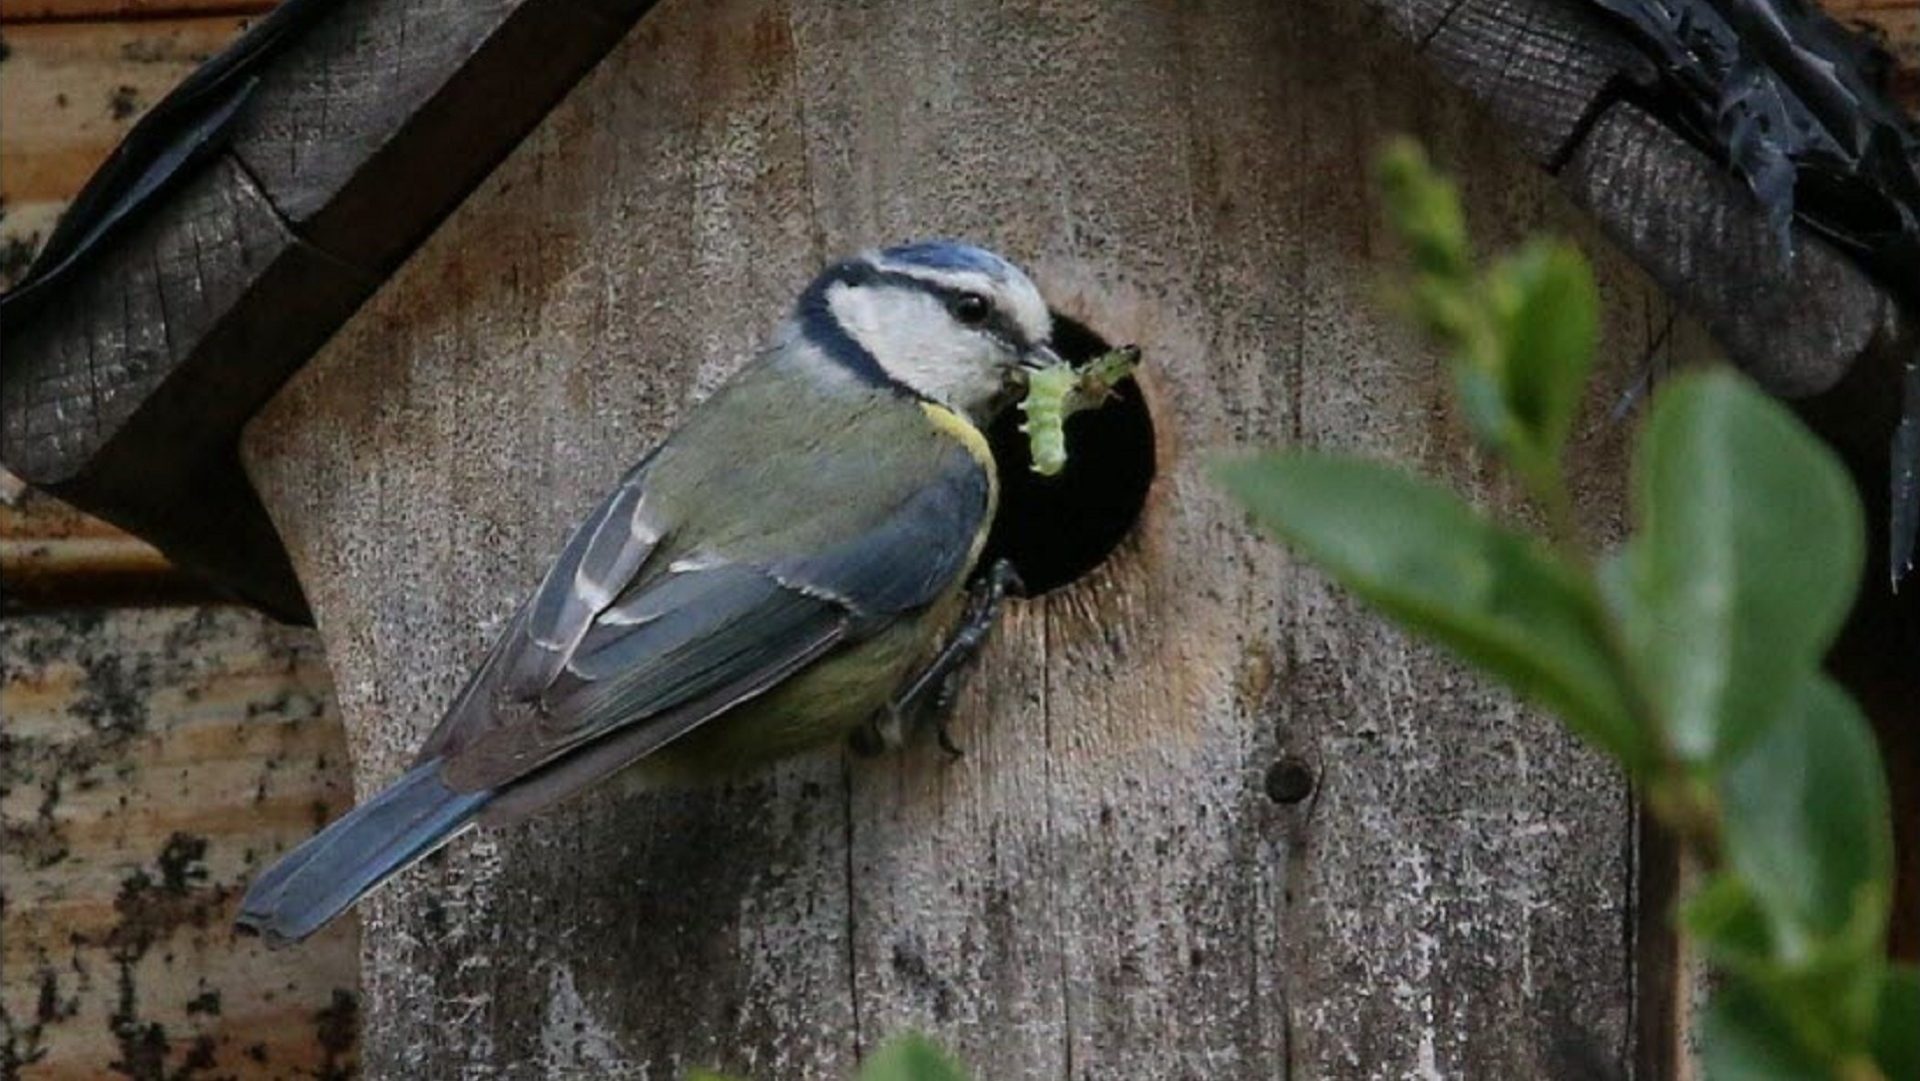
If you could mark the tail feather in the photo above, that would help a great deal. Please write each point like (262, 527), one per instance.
(369, 844)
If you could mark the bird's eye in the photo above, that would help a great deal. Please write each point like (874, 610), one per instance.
(970, 308)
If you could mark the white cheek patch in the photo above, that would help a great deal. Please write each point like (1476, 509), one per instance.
(916, 343)
(1016, 294)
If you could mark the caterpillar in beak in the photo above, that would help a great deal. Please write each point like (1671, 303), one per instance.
(1058, 391)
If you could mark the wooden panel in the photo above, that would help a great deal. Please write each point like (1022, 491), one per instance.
(1896, 24)
(1539, 66)
(743, 956)
(68, 92)
(124, 394)
(174, 300)
(379, 119)
(369, 129)
(152, 760)
(20, 11)
(1550, 71)
(54, 556)
(1102, 886)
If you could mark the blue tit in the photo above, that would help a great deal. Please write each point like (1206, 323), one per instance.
(765, 580)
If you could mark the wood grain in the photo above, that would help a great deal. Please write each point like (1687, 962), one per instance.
(379, 119)
(126, 392)
(53, 556)
(1540, 66)
(1895, 24)
(1102, 887)
(123, 11)
(371, 127)
(152, 760)
(1551, 71)
(1796, 321)
(68, 92)
(164, 344)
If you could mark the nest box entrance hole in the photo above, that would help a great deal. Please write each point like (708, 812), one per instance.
(1055, 530)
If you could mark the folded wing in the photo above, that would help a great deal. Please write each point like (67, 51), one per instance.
(626, 646)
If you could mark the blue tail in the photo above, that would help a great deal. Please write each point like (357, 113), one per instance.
(334, 868)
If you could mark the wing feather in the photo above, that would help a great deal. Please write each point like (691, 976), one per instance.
(597, 565)
(625, 647)
(721, 635)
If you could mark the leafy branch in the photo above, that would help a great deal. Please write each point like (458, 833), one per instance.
(1691, 656)
(908, 1057)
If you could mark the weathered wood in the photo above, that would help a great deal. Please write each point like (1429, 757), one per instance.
(369, 129)
(52, 556)
(1551, 71)
(150, 761)
(1543, 67)
(68, 92)
(1102, 887)
(605, 215)
(1794, 321)
(125, 394)
(386, 113)
(26, 11)
(1896, 25)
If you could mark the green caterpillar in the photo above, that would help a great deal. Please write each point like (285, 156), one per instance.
(1059, 391)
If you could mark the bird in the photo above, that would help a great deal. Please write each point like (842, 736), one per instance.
(797, 562)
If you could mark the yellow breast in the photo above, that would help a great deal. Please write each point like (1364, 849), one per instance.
(958, 427)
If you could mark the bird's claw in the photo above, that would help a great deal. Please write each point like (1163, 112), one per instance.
(931, 691)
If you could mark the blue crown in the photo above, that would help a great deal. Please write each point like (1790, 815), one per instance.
(951, 255)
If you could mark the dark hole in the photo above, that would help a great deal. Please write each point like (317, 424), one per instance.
(1289, 781)
(1055, 529)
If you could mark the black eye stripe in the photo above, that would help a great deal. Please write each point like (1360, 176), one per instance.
(997, 323)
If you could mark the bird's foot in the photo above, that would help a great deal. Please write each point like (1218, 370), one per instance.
(928, 697)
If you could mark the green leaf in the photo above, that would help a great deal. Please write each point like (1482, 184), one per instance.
(1424, 209)
(1483, 404)
(1805, 813)
(1744, 1039)
(1499, 599)
(1724, 917)
(1549, 315)
(1896, 1036)
(1745, 564)
(911, 1058)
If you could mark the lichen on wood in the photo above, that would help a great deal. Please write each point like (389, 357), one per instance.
(151, 760)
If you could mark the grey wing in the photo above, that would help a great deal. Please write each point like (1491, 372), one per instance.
(599, 560)
(605, 663)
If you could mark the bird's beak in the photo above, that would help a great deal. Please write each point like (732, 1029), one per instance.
(1040, 357)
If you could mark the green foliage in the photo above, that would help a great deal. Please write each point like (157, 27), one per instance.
(1498, 598)
(911, 1057)
(1692, 656)
(1522, 334)
(1806, 827)
(1896, 1036)
(1744, 1039)
(1726, 608)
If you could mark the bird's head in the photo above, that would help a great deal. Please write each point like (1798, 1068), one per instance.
(947, 321)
